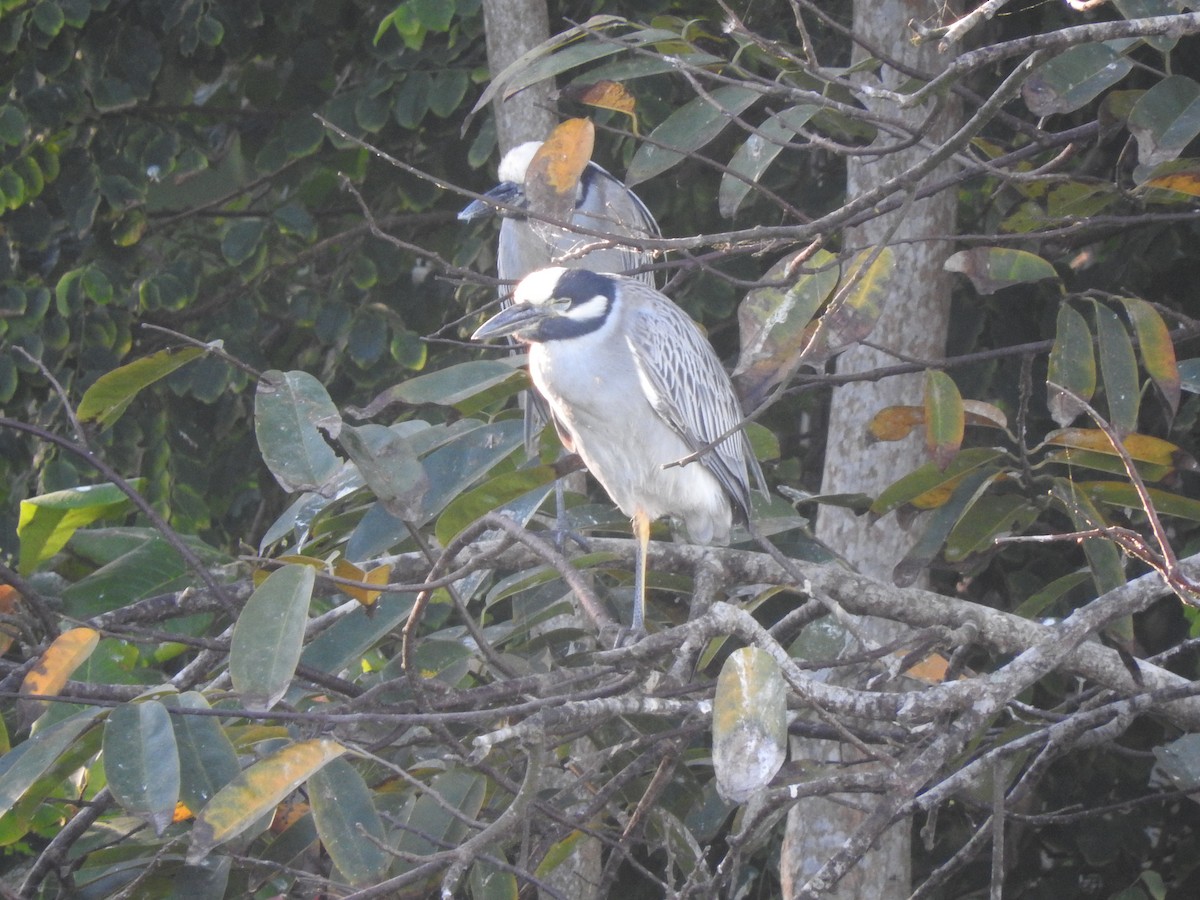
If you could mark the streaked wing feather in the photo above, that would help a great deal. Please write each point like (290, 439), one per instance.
(687, 386)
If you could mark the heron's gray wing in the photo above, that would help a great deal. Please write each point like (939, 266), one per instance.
(608, 206)
(686, 385)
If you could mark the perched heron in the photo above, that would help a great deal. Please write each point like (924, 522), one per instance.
(602, 204)
(632, 386)
(591, 198)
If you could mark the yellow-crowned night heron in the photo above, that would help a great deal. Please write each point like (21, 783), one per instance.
(526, 243)
(633, 385)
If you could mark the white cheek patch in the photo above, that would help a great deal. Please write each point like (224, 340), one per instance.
(589, 309)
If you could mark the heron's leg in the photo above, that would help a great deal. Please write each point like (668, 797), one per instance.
(641, 531)
(562, 527)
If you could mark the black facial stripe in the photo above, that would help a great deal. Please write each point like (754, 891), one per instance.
(562, 328)
(581, 285)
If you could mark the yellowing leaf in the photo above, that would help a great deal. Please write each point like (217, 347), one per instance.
(895, 423)
(610, 95)
(1140, 447)
(749, 723)
(9, 601)
(1157, 349)
(256, 792)
(52, 670)
(367, 597)
(931, 669)
(1183, 180)
(851, 317)
(560, 161)
(774, 321)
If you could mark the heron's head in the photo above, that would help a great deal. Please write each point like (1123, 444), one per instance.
(510, 190)
(555, 304)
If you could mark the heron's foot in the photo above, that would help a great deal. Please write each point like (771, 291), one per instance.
(562, 533)
(618, 636)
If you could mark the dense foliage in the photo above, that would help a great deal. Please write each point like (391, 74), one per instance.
(270, 636)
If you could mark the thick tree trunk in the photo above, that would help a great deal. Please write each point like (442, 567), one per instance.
(913, 324)
(513, 27)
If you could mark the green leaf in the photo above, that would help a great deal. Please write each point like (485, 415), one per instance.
(294, 219)
(994, 268)
(491, 495)
(453, 468)
(12, 189)
(1052, 593)
(929, 487)
(1156, 347)
(302, 136)
(489, 882)
(1076, 77)
(241, 238)
(1180, 759)
(389, 465)
(687, 130)
(1072, 367)
(749, 726)
(988, 518)
(445, 387)
(945, 418)
(446, 91)
(348, 639)
(1137, 9)
(346, 820)
(269, 634)
(1118, 371)
(1164, 121)
(412, 99)
(14, 127)
(755, 156)
(141, 762)
(553, 56)
(207, 759)
(436, 15)
(1124, 496)
(143, 566)
(940, 523)
(8, 378)
(47, 522)
(1189, 375)
(48, 17)
(1103, 556)
(292, 415)
(110, 394)
(39, 809)
(22, 766)
(431, 824)
(256, 792)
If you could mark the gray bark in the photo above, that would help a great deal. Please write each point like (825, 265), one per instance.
(513, 27)
(913, 324)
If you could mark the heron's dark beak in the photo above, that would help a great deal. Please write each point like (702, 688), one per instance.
(518, 318)
(505, 192)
